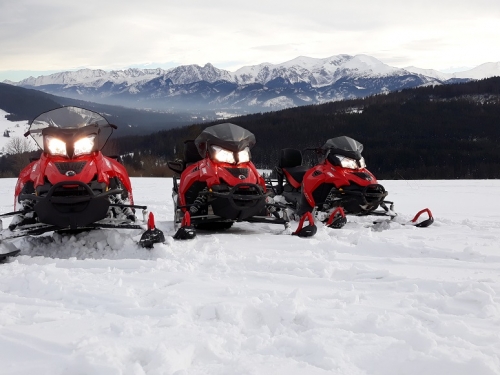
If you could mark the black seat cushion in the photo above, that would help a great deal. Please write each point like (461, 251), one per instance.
(297, 173)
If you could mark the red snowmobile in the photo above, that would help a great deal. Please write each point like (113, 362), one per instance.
(219, 185)
(72, 186)
(338, 185)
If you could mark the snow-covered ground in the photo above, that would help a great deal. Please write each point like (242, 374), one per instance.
(252, 300)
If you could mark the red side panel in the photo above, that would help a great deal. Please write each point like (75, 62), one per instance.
(321, 174)
(260, 179)
(328, 174)
(109, 168)
(201, 171)
(291, 180)
(32, 168)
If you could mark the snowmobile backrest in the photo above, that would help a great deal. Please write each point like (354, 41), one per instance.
(191, 154)
(290, 157)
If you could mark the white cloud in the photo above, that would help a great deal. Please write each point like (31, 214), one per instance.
(61, 35)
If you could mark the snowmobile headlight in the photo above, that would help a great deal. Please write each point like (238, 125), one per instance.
(222, 155)
(347, 162)
(362, 163)
(56, 146)
(84, 145)
(244, 155)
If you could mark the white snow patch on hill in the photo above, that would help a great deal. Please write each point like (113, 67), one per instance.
(279, 102)
(15, 129)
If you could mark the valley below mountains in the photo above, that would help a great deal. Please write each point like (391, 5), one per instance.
(259, 88)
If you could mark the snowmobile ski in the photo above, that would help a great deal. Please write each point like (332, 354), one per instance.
(413, 222)
(5, 256)
(152, 235)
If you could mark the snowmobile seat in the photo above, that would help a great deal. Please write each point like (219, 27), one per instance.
(291, 164)
(296, 174)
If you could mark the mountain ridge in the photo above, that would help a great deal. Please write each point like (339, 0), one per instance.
(185, 74)
(250, 89)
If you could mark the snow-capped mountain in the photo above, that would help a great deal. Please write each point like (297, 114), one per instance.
(93, 78)
(482, 71)
(266, 86)
(430, 73)
(317, 72)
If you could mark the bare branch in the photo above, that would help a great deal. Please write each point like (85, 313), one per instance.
(18, 146)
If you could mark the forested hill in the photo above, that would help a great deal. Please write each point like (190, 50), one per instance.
(26, 104)
(440, 132)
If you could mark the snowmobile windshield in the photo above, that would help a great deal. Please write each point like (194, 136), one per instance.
(344, 146)
(71, 123)
(229, 137)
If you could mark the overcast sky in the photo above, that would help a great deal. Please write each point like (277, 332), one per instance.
(42, 36)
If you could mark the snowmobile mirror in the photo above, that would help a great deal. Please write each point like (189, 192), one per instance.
(176, 166)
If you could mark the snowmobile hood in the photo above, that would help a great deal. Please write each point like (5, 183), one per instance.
(69, 120)
(345, 146)
(228, 136)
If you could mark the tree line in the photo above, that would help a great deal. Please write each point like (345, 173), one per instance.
(435, 132)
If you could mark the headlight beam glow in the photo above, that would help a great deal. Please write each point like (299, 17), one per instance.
(84, 145)
(244, 156)
(56, 146)
(347, 162)
(222, 155)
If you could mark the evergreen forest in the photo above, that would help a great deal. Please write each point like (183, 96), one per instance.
(436, 132)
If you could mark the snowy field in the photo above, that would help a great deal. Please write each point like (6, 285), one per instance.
(401, 300)
(15, 129)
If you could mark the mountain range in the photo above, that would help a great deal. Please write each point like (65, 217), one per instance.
(250, 89)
